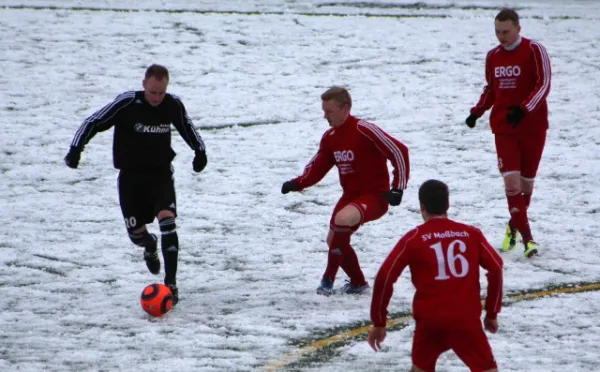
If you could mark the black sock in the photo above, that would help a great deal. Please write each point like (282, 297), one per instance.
(170, 248)
(150, 242)
(143, 239)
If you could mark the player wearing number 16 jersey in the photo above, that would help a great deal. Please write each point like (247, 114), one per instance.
(444, 257)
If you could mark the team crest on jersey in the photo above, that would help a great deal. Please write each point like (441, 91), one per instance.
(159, 129)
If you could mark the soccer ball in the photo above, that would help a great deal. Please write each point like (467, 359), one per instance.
(156, 299)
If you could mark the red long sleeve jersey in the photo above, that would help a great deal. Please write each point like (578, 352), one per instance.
(360, 151)
(518, 77)
(444, 257)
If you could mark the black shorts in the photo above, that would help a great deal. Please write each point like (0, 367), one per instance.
(144, 193)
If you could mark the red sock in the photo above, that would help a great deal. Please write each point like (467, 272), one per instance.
(352, 268)
(527, 198)
(518, 213)
(334, 261)
(339, 244)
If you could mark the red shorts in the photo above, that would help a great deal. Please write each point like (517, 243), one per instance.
(470, 345)
(520, 153)
(372, 206)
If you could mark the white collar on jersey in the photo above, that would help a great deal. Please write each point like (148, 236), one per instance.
(514, 45)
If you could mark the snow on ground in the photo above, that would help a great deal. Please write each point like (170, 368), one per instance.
(250, 257)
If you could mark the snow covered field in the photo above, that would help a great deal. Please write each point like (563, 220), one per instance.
(250, 74)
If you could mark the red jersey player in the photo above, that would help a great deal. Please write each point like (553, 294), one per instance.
(518, 82)
(360, 151)
(444, 258)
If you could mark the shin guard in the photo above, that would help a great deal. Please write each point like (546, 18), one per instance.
(170, 248)
(352, 268)
(339, 242)
(143, 239)
(518, 213)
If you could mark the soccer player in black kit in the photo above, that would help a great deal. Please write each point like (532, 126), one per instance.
(143, 154)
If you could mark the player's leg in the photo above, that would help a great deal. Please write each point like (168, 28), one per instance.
(346, 221)
(512, 189)
(532, 148)
(169, 242)
(428, 345)
(370, 207)
(509, 164)
(527, 187)
(165, 203)
(136, 214)
(473, 348)
(338, 235)
(417, 369)
(334, 260)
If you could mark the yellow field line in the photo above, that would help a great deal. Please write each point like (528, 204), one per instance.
(343, 336)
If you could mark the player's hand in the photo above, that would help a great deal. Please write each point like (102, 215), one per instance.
(491, 325)
(73, 157)
(394, 197)
(289, 186)
(376, 337)
(200, 161)
(515, 115)
(471, 120)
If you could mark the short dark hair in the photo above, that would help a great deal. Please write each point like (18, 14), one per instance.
(158, 72)
(434, 196)
(508, 14)
(339, 95)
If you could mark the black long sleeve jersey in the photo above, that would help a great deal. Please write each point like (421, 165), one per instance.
(142, 134)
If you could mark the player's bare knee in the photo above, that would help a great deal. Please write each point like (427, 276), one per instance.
(415, 369)
(512, 180)
(527, 185)
(348, 216)
(165, 214)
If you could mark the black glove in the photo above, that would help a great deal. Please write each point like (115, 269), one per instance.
(289, 186)
(72, 158)
(200, 161)
(394, 197)
(515, 115)
(471, 120)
